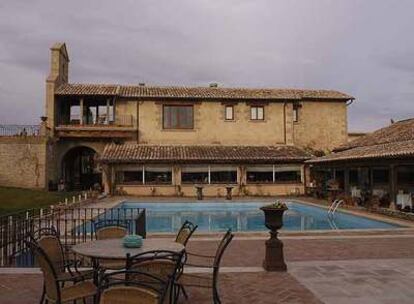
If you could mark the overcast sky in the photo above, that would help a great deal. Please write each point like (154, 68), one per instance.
(361, 47)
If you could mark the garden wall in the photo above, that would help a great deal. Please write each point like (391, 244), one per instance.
(23, 161)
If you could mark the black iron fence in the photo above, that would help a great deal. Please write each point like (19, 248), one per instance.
(19, 130)
(74, 225)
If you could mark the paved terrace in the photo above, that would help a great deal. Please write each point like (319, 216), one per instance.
(329, 268)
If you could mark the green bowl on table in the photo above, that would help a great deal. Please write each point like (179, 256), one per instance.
(132, 241)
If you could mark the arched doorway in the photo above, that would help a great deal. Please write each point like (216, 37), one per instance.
(80, 170)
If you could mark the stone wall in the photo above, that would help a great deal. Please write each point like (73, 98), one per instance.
(210, 127)
(355, 135)
(321, 125)
(23, 162)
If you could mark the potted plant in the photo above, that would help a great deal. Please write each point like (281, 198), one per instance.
(274, 260)
(274, 215)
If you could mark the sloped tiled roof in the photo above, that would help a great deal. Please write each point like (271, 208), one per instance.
(131, 91)
(394, 141)
(400, 149)
(87, 89)
(136, 153)
(399, 131)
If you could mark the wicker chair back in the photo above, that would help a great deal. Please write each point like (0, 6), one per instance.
(185, 232)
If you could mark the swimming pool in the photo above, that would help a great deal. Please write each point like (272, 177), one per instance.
(246, 216)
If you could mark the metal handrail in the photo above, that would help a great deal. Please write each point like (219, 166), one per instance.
(334, 206)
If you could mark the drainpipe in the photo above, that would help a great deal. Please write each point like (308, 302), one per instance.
(137, 121)
(284, 122)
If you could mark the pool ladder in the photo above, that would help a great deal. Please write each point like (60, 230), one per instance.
(335, 204)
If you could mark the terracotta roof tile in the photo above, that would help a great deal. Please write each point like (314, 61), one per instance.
(400, 131)
(197, 92)
(135, 153)
(86, 89)
(401, 149)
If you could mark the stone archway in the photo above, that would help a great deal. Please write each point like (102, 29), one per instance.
(79, 169)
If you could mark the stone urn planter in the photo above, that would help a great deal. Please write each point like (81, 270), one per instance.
(199, 191)
(274, 260)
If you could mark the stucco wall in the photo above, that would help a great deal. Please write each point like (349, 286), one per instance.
(210, 127)
(321, 125)
(23, 162)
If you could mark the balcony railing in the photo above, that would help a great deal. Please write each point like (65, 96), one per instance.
(103, 121)
(19, 130)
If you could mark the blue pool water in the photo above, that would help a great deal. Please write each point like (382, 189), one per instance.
(218, 216)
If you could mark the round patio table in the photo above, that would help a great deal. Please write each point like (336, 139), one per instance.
(113, 249)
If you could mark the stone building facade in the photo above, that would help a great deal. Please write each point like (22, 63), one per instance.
(23, 161)
(258, 129)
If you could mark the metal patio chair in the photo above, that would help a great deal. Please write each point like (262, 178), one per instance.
(110, 229)
(117, 287)
(185, 232)
(55, 292)
(208, 280)
(163, 264)
(66, 268)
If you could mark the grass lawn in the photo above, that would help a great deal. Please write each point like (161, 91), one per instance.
(15, 199)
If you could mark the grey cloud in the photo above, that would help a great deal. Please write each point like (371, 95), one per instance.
(356, 46)
(400, 61)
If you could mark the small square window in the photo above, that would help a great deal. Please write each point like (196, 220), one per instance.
(295, 114)
(257, 113)
(229, 112)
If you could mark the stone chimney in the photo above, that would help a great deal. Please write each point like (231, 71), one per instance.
(59, 64)
(59, 74)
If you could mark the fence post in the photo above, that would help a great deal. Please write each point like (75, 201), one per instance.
(140, 224)
(12, 239)
(66, 201)
(74, 199)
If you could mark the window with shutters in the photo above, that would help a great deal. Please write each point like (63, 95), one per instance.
(178, 117)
